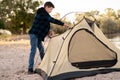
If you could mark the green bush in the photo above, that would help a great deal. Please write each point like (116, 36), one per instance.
(109, 26)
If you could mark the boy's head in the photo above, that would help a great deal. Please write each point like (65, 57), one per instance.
(48, 6)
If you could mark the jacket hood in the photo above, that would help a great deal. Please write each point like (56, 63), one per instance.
(42, 11)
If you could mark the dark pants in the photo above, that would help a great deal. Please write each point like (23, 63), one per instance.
(35, 42)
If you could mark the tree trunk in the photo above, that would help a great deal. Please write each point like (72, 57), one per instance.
(24, 29)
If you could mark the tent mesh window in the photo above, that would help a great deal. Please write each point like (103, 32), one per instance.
(86, 51)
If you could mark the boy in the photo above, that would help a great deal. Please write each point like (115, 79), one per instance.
(39, 30)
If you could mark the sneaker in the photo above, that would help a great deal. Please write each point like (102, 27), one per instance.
(30, 71)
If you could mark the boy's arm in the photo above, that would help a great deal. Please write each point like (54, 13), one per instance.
(55, 21)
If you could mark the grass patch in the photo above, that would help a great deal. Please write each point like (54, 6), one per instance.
(4, 37)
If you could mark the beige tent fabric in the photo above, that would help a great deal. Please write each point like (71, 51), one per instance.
(102, 37)
(52, 52)
(57, 61)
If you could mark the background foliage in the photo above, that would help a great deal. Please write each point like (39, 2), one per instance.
(17, 16)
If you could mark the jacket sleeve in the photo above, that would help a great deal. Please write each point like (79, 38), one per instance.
(55, 21)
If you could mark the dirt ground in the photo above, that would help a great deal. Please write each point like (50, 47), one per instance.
(14, 62)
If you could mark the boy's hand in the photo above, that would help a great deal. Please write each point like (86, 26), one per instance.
(66, 25)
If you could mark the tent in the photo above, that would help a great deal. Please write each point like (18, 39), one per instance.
(81, 51)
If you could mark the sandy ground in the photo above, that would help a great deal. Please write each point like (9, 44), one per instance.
(14, 62)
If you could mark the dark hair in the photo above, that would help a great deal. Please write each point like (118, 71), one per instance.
(49, 4)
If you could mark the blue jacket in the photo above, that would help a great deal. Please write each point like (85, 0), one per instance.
(41, 23)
